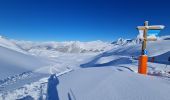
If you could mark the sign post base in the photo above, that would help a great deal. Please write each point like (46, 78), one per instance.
(142, 67)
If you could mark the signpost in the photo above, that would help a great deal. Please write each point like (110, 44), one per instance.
(148, 31)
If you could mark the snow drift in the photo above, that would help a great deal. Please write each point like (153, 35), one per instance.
(13, 62)
(107, 83)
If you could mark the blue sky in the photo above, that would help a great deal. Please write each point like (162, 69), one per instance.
(83, 20)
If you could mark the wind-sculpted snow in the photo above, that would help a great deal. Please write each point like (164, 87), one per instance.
(108, 83)
(34, 91)
(42, 89)
(12, 79)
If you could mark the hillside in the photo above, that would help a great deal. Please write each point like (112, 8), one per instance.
(105, 75)
(158, 49)
(4, 42)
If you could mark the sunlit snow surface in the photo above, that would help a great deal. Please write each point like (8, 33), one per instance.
(87, 71)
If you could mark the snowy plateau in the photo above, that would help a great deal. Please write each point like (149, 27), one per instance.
(76, 70)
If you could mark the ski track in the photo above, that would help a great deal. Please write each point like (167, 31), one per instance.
(36, 90)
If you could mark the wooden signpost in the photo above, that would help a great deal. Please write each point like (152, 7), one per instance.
(143, 59)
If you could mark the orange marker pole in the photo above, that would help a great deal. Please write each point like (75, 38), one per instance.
(142, 69)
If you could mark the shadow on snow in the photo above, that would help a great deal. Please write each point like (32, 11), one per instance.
(92, 63)
(52, 93)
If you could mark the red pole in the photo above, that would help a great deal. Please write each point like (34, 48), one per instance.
(142, 68)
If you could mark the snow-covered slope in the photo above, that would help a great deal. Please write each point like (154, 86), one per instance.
(13, 62)
(159, 49)
(109, 75)
(108, 84)
(104, 83)
(18, 67)
(4, 42)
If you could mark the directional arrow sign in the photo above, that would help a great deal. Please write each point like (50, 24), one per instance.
(153, 27)
(148, 33)
(152, 31)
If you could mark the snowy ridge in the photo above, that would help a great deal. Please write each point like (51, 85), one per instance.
(122, 41)
(65, 47)
(127, 55)
(4, 42)
(13, 62)
(52, 49)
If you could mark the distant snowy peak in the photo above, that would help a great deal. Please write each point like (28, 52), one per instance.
(66, 47)
(138, 40)
(122, 41)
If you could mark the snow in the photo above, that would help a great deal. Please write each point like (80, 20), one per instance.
(140, 35)
(44, 48)
(52, 91)
(108, 83)
(11, 72)
(36, 90)
(154, 48)
(83, 70)
(13, 62)
(18, 69)
(4, 42)
(106, 59)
